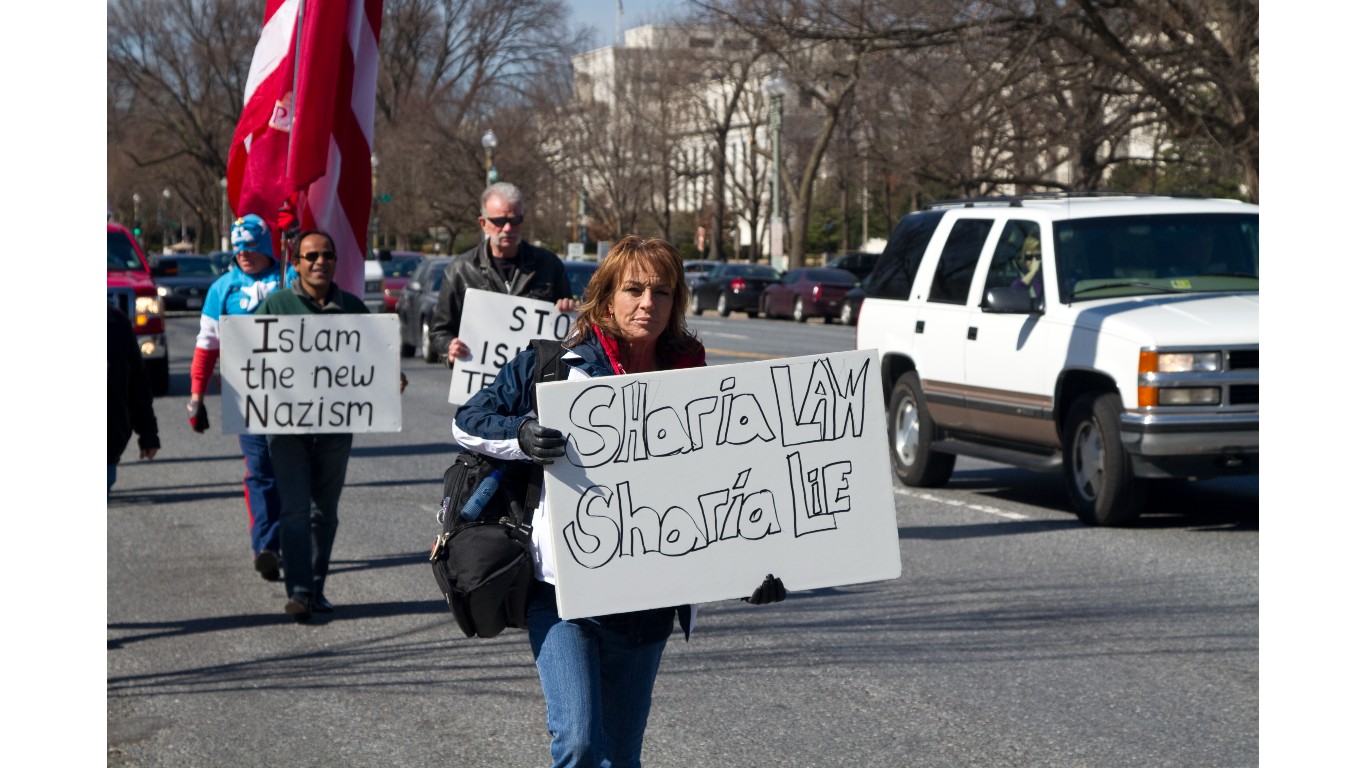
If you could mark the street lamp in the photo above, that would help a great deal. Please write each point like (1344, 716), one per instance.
(774, 86)
(137, 225)
(165, 223)
(224, 219)
(490, 143)
(374, 202)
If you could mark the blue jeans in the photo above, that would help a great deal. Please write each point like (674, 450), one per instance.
(263, 501)
(310, 471)
(598, 675)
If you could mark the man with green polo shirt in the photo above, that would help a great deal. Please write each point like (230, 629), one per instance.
(310, 469)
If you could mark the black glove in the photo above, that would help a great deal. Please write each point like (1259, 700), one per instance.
(542, 444)
(771, 591)
(199, 416)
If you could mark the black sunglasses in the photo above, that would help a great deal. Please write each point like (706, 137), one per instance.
(503, 221)
(312, 256)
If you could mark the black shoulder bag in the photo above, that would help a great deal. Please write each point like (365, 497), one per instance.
(483, 565)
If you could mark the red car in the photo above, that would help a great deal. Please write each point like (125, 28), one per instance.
(807, 292)
(398, 268)
(130, 286)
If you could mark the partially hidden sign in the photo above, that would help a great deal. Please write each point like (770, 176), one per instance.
(301, 374)
(496, 326)
(690, 486)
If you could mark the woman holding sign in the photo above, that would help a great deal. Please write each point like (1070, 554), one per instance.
(597, 673)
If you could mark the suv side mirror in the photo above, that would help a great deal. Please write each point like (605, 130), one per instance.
(1011, 301)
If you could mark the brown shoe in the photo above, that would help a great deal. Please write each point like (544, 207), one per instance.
(300, 606)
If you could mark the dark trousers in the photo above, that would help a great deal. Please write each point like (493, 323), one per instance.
(310, 471)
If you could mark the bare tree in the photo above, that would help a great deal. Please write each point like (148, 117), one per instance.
(177, 73)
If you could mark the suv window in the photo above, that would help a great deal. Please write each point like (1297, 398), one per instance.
(1010, 261)
(894, 271)
(122, 255)
(953, 274)
(1168, 253)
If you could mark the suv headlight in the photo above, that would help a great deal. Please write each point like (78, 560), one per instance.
(1160, 379)
(1186, 362)
(145, 310)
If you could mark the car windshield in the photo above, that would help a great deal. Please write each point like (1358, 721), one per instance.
(834, 276)
(1167, 253)
(399, 266)
(186, 268)
(751, 270)
(121, 254)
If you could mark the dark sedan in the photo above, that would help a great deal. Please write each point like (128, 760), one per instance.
(182, 280)
(807, 292)
(732, 287)
(415, 307)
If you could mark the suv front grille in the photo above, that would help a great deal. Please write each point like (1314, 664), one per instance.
(1242, 394)
(1242, 360)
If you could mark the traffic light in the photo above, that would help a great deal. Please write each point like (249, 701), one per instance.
(137, 229)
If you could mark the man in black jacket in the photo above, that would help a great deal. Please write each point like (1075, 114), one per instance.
(130, 396)
(501, 263)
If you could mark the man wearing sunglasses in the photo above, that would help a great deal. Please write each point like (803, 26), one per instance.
(310, 469)
(502, 263)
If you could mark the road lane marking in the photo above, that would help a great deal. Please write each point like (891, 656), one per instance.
(956, 503)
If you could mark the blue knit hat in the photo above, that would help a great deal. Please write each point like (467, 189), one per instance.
(250, 233)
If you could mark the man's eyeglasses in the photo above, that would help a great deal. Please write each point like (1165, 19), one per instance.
(503, 221)
(313, 256)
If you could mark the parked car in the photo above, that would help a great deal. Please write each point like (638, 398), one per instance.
(732, 287)
(397, 269)
(858, 262)
(183, 280)
(131, 289)
(1116, 338)
(807, 292)
(222, 260)
(580, 272)
(415, 307)
(853, 302)
(696, 269)
(373, 293)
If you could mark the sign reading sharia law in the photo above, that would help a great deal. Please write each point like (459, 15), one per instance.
(690, 486)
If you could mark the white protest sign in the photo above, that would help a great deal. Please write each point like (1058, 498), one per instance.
(496, 326)
(302, 374)
(690, 486)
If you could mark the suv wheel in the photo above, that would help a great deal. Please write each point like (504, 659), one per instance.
(909, 432)
(799, 311)
(1100, 481)
(695, 304)
(722, 307)
(428, 353)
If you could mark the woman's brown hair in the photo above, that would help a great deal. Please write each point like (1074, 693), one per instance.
(656, 255)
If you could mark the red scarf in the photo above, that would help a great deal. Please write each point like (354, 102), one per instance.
(693, 358)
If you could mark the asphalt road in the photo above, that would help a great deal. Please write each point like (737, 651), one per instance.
(1015, 637)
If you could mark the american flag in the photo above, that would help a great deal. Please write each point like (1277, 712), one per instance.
(308, 121)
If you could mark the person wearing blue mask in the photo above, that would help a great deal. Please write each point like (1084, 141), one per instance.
(255, 274)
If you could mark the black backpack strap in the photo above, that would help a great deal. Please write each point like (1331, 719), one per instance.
(550, 366)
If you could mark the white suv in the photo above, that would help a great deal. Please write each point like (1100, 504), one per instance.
(1115, 338)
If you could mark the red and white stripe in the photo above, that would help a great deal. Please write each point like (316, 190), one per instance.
(308, 121)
